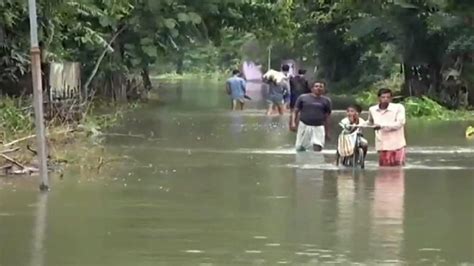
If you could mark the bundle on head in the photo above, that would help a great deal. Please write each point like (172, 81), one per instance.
(470, 132)
(274, 75)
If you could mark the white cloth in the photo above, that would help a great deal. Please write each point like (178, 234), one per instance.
(308, 136)
(391, 136)
(276, 75)
(346, 144)
(347, 138)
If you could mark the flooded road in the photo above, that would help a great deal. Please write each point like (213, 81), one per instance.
(210, 187)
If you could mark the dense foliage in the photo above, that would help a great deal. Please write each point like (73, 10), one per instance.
(422, 48)
(428, 46)
(117, 41)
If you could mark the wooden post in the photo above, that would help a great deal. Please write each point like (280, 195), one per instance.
(269, 57)
(38, 96)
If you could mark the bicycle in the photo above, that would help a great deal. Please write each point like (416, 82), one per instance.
(357, 159)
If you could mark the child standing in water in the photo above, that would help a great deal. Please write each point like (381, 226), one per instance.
(350, 125)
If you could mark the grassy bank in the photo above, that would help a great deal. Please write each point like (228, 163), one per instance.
(421, 108)
(72, 142)
(416, 107)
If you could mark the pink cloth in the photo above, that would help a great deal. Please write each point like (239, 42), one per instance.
(392, 158)
(391, 136)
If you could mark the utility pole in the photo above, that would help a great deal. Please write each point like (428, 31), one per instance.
(270, 56)
(38, 96)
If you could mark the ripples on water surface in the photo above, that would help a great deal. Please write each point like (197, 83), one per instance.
(208, 187)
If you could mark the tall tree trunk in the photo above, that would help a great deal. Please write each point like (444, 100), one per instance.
(118, 86)
(99, 60)
(435, 77)
(180, 64)
(146, 78)
(470, 95)
(333, 74)
(407, 73)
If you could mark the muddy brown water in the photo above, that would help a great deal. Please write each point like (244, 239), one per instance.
(211, 187)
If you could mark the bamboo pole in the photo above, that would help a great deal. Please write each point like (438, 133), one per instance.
(38, 96)
(269, 57)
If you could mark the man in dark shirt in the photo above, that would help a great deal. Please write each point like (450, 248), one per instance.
(309, 118)
(299, 85)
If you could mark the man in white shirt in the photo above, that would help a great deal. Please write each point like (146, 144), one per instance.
(389, 120)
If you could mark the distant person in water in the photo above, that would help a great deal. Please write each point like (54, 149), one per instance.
(310, 118)
(285, 69)
(389, 121)
(275, 95)
(235, 87)
(299, 85)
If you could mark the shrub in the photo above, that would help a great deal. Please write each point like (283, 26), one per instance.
(14, 117)
(425, 107)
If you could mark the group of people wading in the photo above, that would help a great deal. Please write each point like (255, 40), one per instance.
(311, 110)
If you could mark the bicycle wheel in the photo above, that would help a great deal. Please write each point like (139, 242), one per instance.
(361, 158)
(355, 158)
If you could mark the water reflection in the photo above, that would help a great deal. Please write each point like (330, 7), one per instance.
(236, 126)
(345, 220)
(308, 190)
(39, 230)
(350, 213)
(388, 213)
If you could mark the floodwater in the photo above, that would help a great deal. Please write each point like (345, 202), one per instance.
(210, 187)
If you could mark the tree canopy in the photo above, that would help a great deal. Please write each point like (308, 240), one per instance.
(428, 46)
